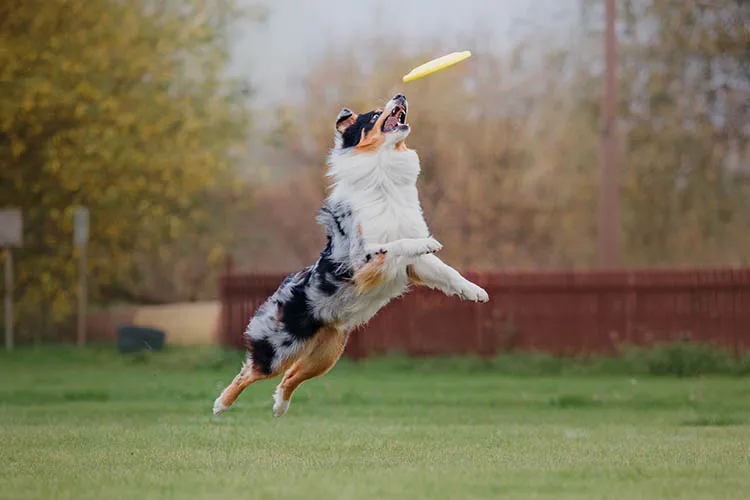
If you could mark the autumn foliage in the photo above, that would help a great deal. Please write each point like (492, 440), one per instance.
(120, 107)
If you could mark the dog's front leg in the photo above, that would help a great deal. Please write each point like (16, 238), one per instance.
(379, 257)
(406, 247)
(430, 271)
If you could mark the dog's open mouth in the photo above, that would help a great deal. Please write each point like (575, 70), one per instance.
(395, 119)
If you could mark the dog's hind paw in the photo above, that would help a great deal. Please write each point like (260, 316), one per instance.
(280, 408)
(219, 407)
(280, 405)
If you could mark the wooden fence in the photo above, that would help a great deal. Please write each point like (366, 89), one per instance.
(557, 312)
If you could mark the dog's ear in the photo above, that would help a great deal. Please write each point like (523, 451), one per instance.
(346, 117)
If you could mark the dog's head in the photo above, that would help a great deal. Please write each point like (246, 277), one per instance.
(370, 132)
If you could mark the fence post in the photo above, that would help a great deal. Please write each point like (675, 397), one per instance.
(9, 299)
(225, 297)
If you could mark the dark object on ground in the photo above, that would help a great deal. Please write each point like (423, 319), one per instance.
(137, 338)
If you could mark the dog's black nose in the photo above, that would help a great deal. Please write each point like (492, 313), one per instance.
(399, 97)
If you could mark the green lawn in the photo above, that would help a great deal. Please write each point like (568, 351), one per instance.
(96, 425)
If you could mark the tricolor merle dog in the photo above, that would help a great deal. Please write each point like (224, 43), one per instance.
(378, 244)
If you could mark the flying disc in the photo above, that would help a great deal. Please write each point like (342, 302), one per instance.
(436, 65)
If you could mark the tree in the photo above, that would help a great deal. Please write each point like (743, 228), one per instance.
(686, 184)
(121, 107)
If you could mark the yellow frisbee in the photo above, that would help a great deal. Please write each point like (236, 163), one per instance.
(436, 65)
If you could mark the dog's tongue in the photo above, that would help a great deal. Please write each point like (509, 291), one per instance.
(390, 123)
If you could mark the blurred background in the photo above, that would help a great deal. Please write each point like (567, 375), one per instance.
(195, 131)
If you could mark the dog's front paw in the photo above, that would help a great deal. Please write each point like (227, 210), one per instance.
(432, 245)
(474, 293)
(421, 246)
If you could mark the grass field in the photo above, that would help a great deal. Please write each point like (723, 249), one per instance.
(92, 424)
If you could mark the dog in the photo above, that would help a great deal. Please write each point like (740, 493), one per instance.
(378, 243)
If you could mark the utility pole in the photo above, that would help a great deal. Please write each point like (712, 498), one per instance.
(608, 209)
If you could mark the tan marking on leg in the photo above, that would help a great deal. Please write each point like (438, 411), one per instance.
(328, 348)
(248, 375)
(413, 276)
(369, 275)
(288, 362)
(243, 379)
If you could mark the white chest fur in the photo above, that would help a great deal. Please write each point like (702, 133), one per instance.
(382, 190)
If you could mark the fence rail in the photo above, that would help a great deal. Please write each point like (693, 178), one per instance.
(557, 312)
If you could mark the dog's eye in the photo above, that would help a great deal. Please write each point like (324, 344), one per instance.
(375, 117)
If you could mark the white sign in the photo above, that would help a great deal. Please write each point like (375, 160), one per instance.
(81, 226)
(11, 227)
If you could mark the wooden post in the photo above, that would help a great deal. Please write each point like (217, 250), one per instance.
(8, 299)
(82, 296)
(225, 303)
(11, 234)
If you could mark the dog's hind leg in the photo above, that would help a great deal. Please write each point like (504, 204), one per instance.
(251, 372)
(329, 345)
(229, 395)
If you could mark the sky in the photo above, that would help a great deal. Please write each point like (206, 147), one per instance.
(274, 55)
